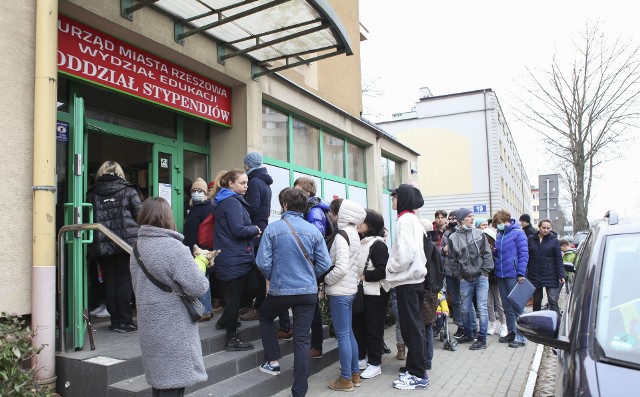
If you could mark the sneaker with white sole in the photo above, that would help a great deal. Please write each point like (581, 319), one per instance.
(97, 309)
(371, 372)
(267, 368)
(362, 364)
(102, 313)
(410, 382)
(492, 328)
(503, 330)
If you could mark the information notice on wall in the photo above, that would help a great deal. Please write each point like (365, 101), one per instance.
(97, 57)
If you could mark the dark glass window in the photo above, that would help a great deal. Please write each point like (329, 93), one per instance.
(126, 111)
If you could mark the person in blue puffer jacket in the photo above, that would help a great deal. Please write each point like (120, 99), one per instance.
(233, 234)
(511, 257)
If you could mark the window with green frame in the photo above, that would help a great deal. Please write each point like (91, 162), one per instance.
(391, 173)
(298, 145)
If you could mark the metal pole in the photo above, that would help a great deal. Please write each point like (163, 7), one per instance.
(43, 266)
(548, 201)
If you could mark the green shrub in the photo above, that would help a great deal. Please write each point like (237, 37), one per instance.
(15, 352)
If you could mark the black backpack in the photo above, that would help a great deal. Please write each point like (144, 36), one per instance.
(435, 269)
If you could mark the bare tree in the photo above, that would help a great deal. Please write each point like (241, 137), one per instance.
(370, 90)
(583, 109)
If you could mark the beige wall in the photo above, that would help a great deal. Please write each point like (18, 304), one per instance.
(434, 175)
(338, 79)
(17, 46)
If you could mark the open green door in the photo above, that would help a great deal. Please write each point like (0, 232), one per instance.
(166, 180)
(74, 210)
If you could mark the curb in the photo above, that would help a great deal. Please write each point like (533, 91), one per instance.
(533, 373)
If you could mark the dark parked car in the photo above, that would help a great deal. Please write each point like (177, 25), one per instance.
(598, 338)
(578, 238)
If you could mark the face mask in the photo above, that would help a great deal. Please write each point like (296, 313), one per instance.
(453, 224)
(501, 227)
(465, 227)
(197, 197)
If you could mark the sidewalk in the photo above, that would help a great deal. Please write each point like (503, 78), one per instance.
(497, 371)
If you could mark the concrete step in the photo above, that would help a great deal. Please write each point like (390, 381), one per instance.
(118, 357)
(256, 383)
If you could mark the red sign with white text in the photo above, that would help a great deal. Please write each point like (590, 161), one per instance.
(94, 56)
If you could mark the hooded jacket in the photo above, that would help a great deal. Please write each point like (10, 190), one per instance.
(258, 196)
(233, 234)
(407, 262)
(469, 254)
(512, 253)
(545, 268)
(317, 214)
(342, 280)
(115, 205)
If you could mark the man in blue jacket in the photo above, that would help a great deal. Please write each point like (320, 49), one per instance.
(292, 255)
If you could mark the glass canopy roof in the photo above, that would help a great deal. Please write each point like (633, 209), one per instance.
(275, 34)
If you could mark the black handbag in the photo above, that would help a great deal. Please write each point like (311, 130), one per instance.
(193, 305)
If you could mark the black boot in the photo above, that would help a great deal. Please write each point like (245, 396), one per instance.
(235, 343)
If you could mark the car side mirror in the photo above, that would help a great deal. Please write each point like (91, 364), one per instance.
(543, 327)
(569, 267)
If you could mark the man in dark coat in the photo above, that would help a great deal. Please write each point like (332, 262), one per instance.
(525, 224)
(545, 268)
(259, 199)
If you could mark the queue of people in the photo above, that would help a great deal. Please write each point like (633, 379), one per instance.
(263, 271)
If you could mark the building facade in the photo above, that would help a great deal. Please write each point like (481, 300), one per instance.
(171, 96)
(535, 204)
(468, 156)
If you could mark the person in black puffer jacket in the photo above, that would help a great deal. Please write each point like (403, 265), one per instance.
(116, 204)
(258, 197)
(545, 268)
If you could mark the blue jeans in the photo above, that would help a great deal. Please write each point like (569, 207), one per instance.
(481, 288)
(206, 299)
(428, 343)
(511, 310)
(394, 309)
(341, 314)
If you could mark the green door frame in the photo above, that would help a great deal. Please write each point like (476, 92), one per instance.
(166, 177)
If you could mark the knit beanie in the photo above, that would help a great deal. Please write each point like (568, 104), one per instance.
(199, 184)
(253, 160)
(462, 213)
(478, 221)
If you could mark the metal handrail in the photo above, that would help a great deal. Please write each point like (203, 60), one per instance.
(61, 266)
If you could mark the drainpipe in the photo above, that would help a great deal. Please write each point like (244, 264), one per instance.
(486, 134)
(43, 270)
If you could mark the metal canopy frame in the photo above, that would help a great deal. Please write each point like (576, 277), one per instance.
(280, 40)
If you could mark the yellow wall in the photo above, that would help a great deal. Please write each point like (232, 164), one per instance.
(337, 79)
(17, 46)
(443, 168)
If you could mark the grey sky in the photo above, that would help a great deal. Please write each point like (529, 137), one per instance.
(466, 45)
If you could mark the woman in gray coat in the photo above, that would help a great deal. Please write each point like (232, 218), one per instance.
(169, 340)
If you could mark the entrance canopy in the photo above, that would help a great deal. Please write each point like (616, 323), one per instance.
(274, 34)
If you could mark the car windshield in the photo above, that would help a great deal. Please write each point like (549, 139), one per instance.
(618, 318)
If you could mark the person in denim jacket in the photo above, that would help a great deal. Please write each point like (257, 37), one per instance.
(292, 283)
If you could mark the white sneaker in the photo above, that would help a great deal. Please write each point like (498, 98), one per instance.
(103, 313)
(362, 364)
(492, 328)
(503, 330)
(371, 372)
(97, 309)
